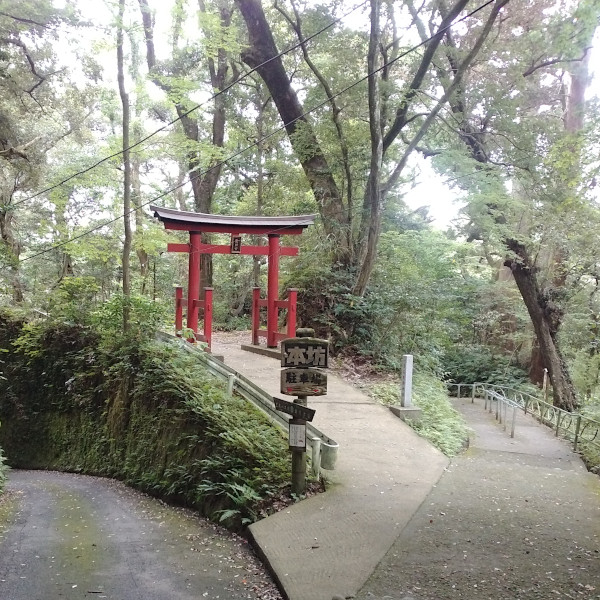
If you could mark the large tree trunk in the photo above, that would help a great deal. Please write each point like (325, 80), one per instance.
(546, 317)
(13, 247)
(262, 55)
(126, 168)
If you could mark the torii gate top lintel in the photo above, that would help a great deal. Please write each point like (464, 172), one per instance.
(191, 221)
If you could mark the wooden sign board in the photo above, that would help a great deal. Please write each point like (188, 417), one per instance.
(305, 353)
(303, 382)
(296, 410)
(297, 435)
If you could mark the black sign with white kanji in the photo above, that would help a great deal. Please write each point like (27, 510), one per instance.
(305, 353)
(296, 410)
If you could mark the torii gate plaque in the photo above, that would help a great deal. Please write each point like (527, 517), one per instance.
(198, 223)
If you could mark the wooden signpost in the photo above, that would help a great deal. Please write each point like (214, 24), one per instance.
(302, 359)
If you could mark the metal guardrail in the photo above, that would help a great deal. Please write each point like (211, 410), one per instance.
(575, 427)
(323, 448)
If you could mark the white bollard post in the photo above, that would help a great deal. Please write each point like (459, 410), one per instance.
(407, 371)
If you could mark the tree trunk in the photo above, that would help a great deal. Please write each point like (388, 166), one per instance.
(262, 55)
(14, 250)
(546, 318)
(136, 199)
(127, 170)
(372, 202)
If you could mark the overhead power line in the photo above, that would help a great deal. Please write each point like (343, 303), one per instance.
(191, 110)
(266, 137)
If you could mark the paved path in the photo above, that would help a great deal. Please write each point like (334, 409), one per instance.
(510, 519)
(329, 544)
(72, 537)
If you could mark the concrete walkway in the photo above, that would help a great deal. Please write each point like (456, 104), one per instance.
(509, 519)
(329, 544)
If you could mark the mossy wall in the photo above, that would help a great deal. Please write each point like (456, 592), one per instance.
(144, 413)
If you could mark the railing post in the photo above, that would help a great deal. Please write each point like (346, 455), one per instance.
(514, 419)
(208, 314)
(577, 429)
(255, 314)
(558, 415)
(292, 311)
(316, 457)
(230, 384)
(473, 394)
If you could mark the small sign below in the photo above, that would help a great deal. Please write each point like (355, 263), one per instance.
(304, 353)
(298, 435)
(303, 382)
(296, 410)
(236, 244)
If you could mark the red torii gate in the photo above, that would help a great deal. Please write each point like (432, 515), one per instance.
(273, 227)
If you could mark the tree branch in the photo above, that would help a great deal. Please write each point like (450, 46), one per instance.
(555, 61)
(456, 82)
(419, 76)
(24, 20)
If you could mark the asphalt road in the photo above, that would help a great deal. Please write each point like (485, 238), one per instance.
(66, 536)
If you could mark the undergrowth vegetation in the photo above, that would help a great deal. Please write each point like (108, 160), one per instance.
(84, 399)
(441, 424)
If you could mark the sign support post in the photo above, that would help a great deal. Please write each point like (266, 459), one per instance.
(299, 454)
(303, 359)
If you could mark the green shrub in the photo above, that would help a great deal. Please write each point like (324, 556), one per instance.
(476, 364)
(127, 407)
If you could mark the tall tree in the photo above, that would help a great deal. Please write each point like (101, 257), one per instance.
(204, 174)
(125, 261)
(28, 103)
(401, 130)
(508, 136)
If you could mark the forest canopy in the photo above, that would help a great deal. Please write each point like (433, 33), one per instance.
(290, 107)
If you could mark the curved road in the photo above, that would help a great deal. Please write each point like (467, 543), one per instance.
(65, 536)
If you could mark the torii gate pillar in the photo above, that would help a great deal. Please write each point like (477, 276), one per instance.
(273, 289)
(193, 280)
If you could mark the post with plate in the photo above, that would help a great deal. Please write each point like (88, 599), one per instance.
(303, 359)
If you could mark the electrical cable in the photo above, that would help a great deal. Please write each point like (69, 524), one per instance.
(268, 136)
(191, 110)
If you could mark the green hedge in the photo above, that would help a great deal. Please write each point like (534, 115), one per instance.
(139, 411)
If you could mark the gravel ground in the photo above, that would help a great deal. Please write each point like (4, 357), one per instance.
(509, 520)
(65, 536)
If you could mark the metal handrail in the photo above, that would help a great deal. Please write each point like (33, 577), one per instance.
(573, 426)
(323, 448)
